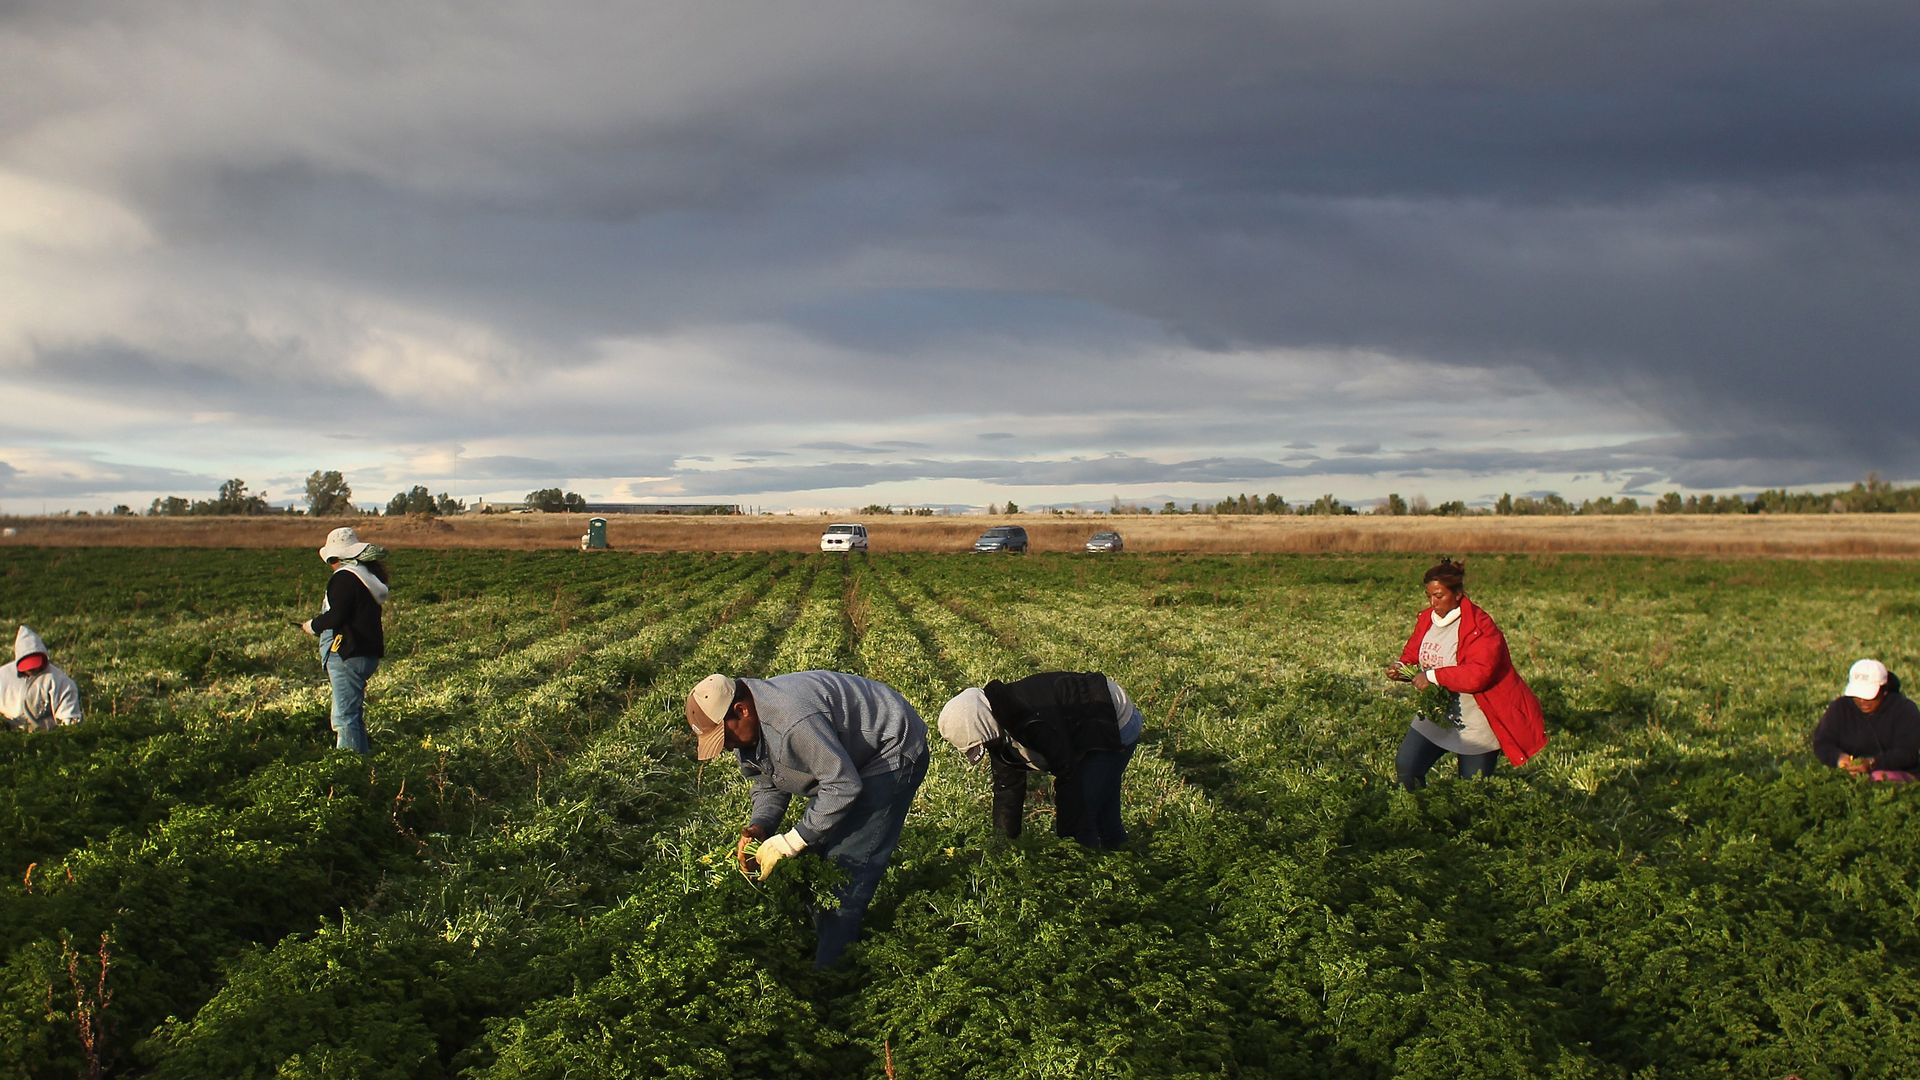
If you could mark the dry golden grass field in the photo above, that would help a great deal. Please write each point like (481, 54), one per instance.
(1788, 536)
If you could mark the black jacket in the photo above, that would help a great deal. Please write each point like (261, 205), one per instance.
(1890, 735)
(1059, 715)
(354, 617)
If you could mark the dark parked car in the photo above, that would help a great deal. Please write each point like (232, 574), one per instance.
(1002, 538)
(1106, 541)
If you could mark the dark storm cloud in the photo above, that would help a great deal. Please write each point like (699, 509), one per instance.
(1710, 208)
(1642, 466)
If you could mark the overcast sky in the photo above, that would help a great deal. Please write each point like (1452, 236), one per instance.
(830, 254)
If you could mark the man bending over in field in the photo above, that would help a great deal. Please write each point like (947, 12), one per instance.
(853, 746)
(1079, 726)
(34, 694)
(1872, 729)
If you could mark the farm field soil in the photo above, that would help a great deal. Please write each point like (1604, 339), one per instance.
(1738, 536)
(530, 875)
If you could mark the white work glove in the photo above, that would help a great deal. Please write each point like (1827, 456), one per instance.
(775, 848)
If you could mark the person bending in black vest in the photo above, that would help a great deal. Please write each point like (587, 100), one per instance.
(1078, 726)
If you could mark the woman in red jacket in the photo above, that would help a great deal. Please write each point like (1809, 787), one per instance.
(1487, 709)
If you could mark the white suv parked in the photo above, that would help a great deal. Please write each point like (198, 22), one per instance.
(844, 538)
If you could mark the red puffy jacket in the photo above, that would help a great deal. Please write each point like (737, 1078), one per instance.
(1485, 670)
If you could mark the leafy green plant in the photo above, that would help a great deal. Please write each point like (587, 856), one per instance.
(531, 875)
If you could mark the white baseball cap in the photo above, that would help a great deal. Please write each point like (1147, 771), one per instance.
(707, 713)
(1866, 678)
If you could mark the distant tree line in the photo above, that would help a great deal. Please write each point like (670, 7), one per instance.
(1270, 503)
(417, 500)
(1872, 495)
(1867, 496)
(327, 496)
(233, 499)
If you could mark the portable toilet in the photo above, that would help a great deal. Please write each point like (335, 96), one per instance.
(596, 535)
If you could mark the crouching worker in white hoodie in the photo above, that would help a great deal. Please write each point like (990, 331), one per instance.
(35, 695)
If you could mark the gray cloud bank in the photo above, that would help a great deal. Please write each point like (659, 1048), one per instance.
(666, 227)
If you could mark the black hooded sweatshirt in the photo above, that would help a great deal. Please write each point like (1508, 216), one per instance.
(1890, 735)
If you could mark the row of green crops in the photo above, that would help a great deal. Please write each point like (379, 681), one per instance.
(530, 876)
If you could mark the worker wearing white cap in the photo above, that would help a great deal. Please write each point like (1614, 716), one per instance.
(853, 746)
(1871, 729)
(352, 639)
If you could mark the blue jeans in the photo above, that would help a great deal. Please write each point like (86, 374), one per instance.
(349, 677)
(1100, 774)
(861, 845)
(1418, 754)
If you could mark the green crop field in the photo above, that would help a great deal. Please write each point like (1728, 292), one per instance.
(529, 875)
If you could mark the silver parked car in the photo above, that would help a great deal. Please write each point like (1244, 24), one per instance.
(1107, 540)
(1003, 538)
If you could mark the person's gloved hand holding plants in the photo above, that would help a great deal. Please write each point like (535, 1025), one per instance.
(775, 848)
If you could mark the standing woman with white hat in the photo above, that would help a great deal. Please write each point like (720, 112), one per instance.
(351, 639)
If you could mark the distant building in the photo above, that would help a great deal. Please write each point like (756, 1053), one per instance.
(663, 508)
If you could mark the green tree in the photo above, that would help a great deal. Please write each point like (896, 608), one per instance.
(328, 494)
(1669, 503)
(447, 504)
(1012, 508)
(415, 501)
(1505, 505)
(233, 499)
(1395, 505)
(554, 501)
